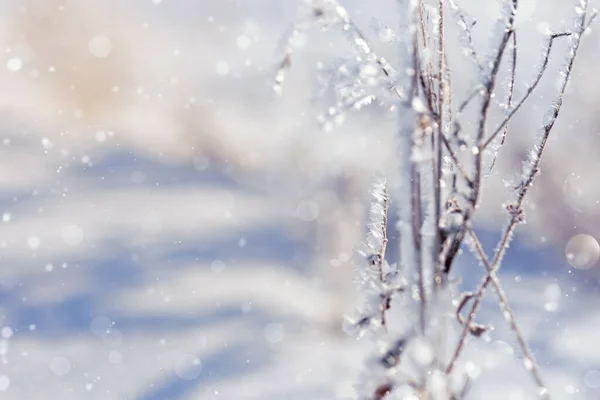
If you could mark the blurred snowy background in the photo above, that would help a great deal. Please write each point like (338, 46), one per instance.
(171, 231)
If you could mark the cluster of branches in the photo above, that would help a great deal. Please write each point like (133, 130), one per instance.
(437, 186)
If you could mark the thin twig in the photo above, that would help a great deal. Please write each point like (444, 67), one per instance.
(515, 210)
(488, 89)
(362, 45)
(416, 226)
(509, 316)
(485, 105)
(511, 91)
(358, 40)
(437, 175)
(530, 89)
(466, 28)
(412, 179)
(478, 90)
(381, 259)
(455, 160)
(591, 19)
(426, 69)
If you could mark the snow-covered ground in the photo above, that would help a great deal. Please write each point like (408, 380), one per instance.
(170, 231)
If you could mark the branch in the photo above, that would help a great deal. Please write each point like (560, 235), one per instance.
(516, 211)
(381, 257)
(489, 86)
(511, 91)
(441, 137)
(466, 23)
(476, 330)
(530, 89)
(357, 39)
(408, 122)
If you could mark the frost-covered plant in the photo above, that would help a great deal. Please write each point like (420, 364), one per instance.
(436, 186)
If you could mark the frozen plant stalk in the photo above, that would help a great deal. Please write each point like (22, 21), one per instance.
(436, 187)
